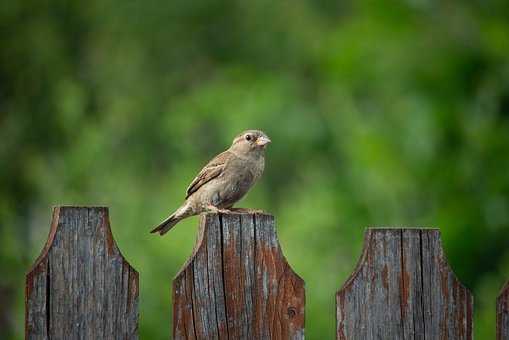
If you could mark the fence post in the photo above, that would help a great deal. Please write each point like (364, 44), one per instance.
(503, 313)
(81, 287)
(237, 284)
(403, 288)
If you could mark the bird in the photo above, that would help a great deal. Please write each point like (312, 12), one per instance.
(224, 180)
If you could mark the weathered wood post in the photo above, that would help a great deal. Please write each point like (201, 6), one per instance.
(503, 313)
(81, 287)
(403, 288)
(237, 284)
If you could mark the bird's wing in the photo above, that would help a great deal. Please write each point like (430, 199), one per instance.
(213, 169)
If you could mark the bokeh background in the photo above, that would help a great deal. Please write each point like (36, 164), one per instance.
(384, 113)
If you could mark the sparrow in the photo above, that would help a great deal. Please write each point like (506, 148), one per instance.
(224, 180)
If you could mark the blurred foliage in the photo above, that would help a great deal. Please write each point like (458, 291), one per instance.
(381, 113)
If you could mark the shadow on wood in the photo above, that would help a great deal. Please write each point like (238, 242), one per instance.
(237, 284)
(503, 313)
(403, 288)
(81, 287)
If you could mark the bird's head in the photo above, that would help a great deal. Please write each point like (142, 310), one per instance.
(251, 140)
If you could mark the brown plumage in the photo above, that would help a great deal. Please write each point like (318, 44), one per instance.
(224, 180)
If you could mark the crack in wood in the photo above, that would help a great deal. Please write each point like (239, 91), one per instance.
(422, 284)
(404, 290)
(221, 226)
(48, 300)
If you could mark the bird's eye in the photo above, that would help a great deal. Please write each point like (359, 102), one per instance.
(248, 137)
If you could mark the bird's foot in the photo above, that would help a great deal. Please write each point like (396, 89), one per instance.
(216, 210)
(248, 210)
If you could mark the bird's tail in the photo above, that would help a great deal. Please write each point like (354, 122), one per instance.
(165, 226)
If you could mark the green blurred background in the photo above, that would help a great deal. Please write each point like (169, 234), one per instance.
(392, 113)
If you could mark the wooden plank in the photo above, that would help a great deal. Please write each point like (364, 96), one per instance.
(403, 288)
(503, 313)
(411, 285)
(81, 287)
(252, 293)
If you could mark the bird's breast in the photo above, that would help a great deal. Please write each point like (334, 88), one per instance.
(237, 182)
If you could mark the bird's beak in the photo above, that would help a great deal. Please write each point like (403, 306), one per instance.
(263, 141)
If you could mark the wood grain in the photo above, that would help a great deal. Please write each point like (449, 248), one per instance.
(237, 284)
(81, 287)
(403, 288)
(503, 313)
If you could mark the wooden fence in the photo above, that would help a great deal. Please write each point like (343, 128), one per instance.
(238, 285)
